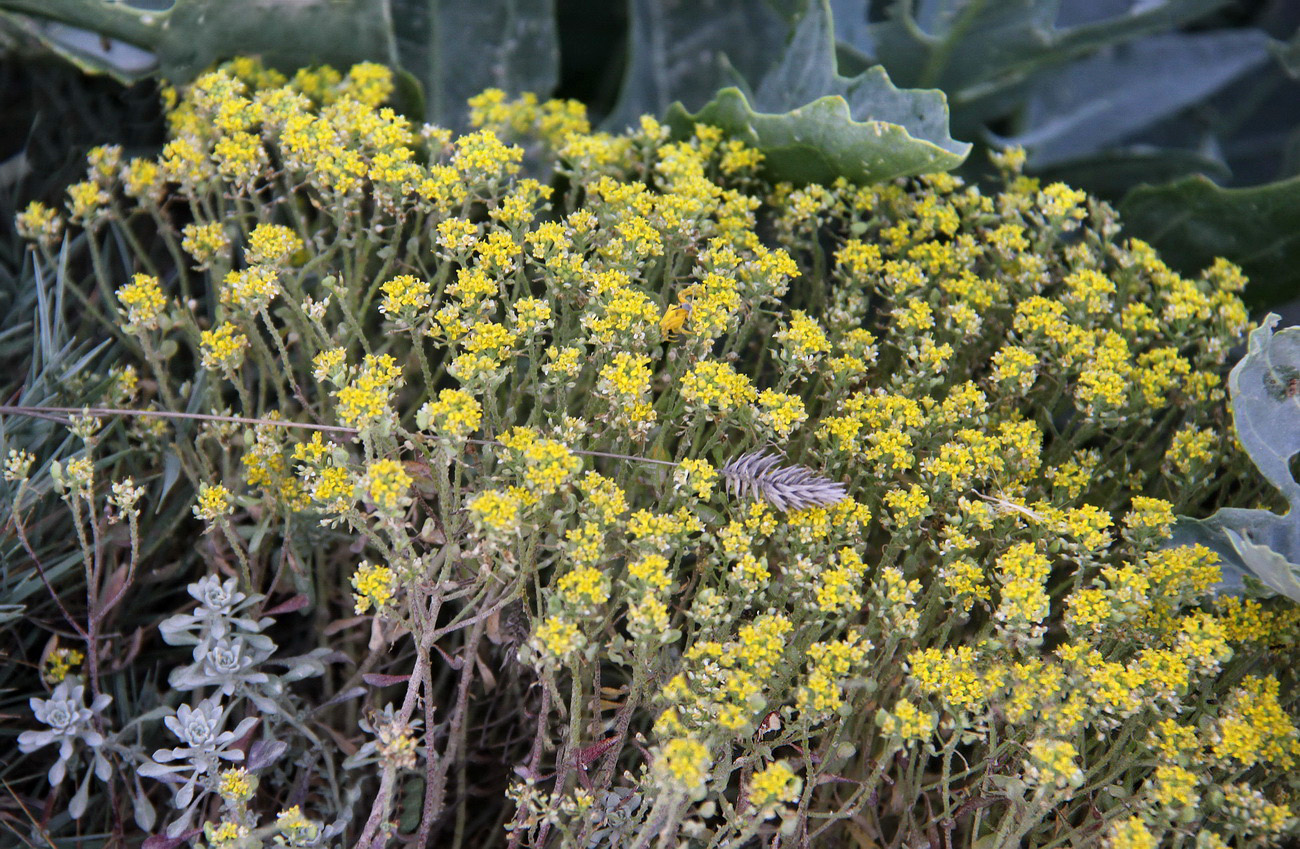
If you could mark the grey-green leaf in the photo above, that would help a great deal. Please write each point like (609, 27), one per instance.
(813, 125)
(821, 141)
(192, 35)
(984, 54)
(1265, 387)
(1268, 566)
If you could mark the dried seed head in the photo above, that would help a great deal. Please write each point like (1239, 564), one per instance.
(785, 488)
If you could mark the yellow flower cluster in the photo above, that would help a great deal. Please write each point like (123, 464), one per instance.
(387, 484)
(214, 502)
(223, 348)
(453, 416)
(144, 302)
(715, 385)
(1018, 402)
(374, 587)
(365, 398)
(205, 242)
(251, 289)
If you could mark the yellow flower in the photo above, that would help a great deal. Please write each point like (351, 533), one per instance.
(699, 475)
(223, 348)
(455, 414)
(251, 289)
(39, 223)
(683, 765)
(405, 296)
(375, 586)
(272, 244)
(205, 242)
(144, 302)
(713, 384)
(365, 398)
(387, 483)
(557, 638)
(774, 785)
(214, 502)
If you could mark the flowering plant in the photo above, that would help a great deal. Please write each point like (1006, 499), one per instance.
(674, 503)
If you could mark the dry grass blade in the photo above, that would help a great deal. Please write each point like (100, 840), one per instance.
(784, 487)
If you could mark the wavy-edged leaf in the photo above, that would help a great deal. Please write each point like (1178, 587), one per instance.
(1191, 221)
(821, 141)
(1112, 172)
(813, 125)
(1265, 388)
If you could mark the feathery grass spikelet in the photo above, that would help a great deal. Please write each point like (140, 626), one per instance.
(785, 488)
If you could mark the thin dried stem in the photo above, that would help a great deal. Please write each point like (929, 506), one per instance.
(44, 412)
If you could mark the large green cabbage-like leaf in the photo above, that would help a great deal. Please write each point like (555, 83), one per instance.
(685, 50)
(1258, 544)
(192, 35)
(1192, 221)
(457, 48)
(986, 53)
(813, 125)
(1094, 103)
(452, 48)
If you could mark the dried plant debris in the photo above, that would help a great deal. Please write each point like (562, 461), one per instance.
(784, 487)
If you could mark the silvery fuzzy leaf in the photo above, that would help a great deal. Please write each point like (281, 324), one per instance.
(174, 725)
(242, 729)
(57, 772)
(175, 630)
(254, 626)
(262, 703)
(77, 804)
(263, 753)
(142, 809)
(162, 756)
(184, 797)
(103, 769)
(216, 595)
(184, 679)
(30, 741)
(308, 665)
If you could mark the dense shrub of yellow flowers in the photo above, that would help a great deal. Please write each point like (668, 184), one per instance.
(498, 378)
